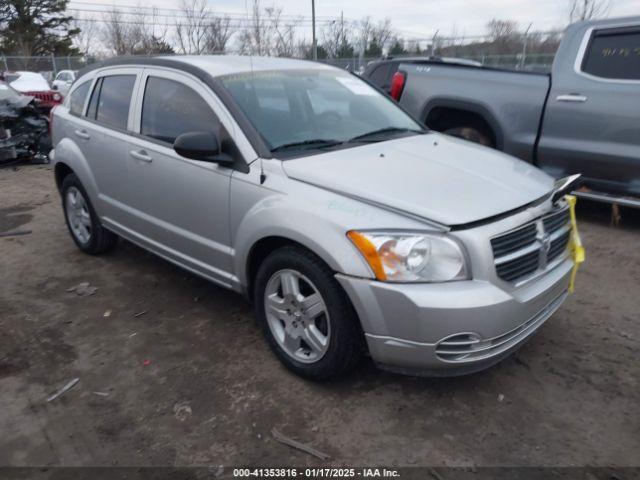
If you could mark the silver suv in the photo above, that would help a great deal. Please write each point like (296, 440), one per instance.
(350, 227)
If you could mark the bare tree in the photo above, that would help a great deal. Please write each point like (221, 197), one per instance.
(588, 9)
(191, 29)
(85, 40)
(268, 34)
(219, 32)
(335, 39)
(503, 36)
(284, 33)
(135, 33)
(116, 34)
(372, 37)
(500, 29)
(253, 39)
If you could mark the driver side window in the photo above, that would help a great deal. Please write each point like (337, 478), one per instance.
(170, 108)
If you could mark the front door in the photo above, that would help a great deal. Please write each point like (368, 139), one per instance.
(181, 206)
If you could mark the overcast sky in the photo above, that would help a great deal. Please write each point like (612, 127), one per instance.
(415, 18)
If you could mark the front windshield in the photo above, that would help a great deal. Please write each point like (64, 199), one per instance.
(306, 109)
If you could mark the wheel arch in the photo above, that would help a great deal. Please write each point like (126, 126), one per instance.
(453, 106)
(70, 159)
(260, 250)
(61, 171)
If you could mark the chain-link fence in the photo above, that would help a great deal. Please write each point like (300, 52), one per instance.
(49, 66)
(537, 62)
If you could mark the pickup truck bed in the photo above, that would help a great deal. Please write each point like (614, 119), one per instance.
(510, 102)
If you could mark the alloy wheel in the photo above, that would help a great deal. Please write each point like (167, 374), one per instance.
(297, 316)
(78, 215)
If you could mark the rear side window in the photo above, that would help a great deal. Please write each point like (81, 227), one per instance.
(379, 75)
(614, 54)
(170, 109)
(114, 98)
(78, 97)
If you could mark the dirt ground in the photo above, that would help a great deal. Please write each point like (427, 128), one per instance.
(185, 378)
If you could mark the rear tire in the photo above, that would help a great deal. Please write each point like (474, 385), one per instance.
(306, 317)
(471, 134)
(82, 221)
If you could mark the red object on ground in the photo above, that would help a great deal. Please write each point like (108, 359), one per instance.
(146, 363)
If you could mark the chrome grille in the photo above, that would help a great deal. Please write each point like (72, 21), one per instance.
(515, 240)
(529, 248)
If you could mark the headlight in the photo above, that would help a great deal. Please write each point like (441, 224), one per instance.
(411, 257)
(56, 97)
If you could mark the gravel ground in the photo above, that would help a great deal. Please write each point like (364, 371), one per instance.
(174, 371)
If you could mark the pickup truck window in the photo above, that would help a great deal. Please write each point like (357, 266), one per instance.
(614, 54)
(380, 74)
(170, 109)
(114, 99)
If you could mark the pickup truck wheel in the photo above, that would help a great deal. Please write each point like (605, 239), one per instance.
(83, 224)
(305, 315)
(471, 134)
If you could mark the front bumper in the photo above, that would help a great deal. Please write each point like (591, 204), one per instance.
(451, 328)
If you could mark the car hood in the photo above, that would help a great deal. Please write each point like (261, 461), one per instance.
(433, 176)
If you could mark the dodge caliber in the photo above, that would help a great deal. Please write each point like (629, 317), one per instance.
(352, 229)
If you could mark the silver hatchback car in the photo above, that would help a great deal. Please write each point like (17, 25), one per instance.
(351, 227)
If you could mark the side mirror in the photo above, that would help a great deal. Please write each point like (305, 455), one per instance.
(203, 146)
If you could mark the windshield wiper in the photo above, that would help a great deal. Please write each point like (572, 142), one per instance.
(383, 132)
(304, 144)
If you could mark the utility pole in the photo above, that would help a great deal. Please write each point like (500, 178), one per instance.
(313, 29)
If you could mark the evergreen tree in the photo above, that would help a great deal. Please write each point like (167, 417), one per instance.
(397, 47)
(36, 27)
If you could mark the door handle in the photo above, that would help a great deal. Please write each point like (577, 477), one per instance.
(82, 134)
(572, 97)
(141, 155)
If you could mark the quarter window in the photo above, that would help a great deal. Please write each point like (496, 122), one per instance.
(379, 75)
(614, 54)
(113, 100)
(77, 98)
(170, 109)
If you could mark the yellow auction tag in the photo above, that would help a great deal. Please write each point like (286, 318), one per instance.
(575, 244)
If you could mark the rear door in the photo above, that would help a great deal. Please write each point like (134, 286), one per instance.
(104, 138)
(100, 130)
(181, 206)
(592, 120)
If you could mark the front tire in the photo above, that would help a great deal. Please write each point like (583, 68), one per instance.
(471, 134)
(82, 221)
(305, 315)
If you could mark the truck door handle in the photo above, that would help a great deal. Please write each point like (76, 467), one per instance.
(572, 97)
(82, 134)
(141, 155)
